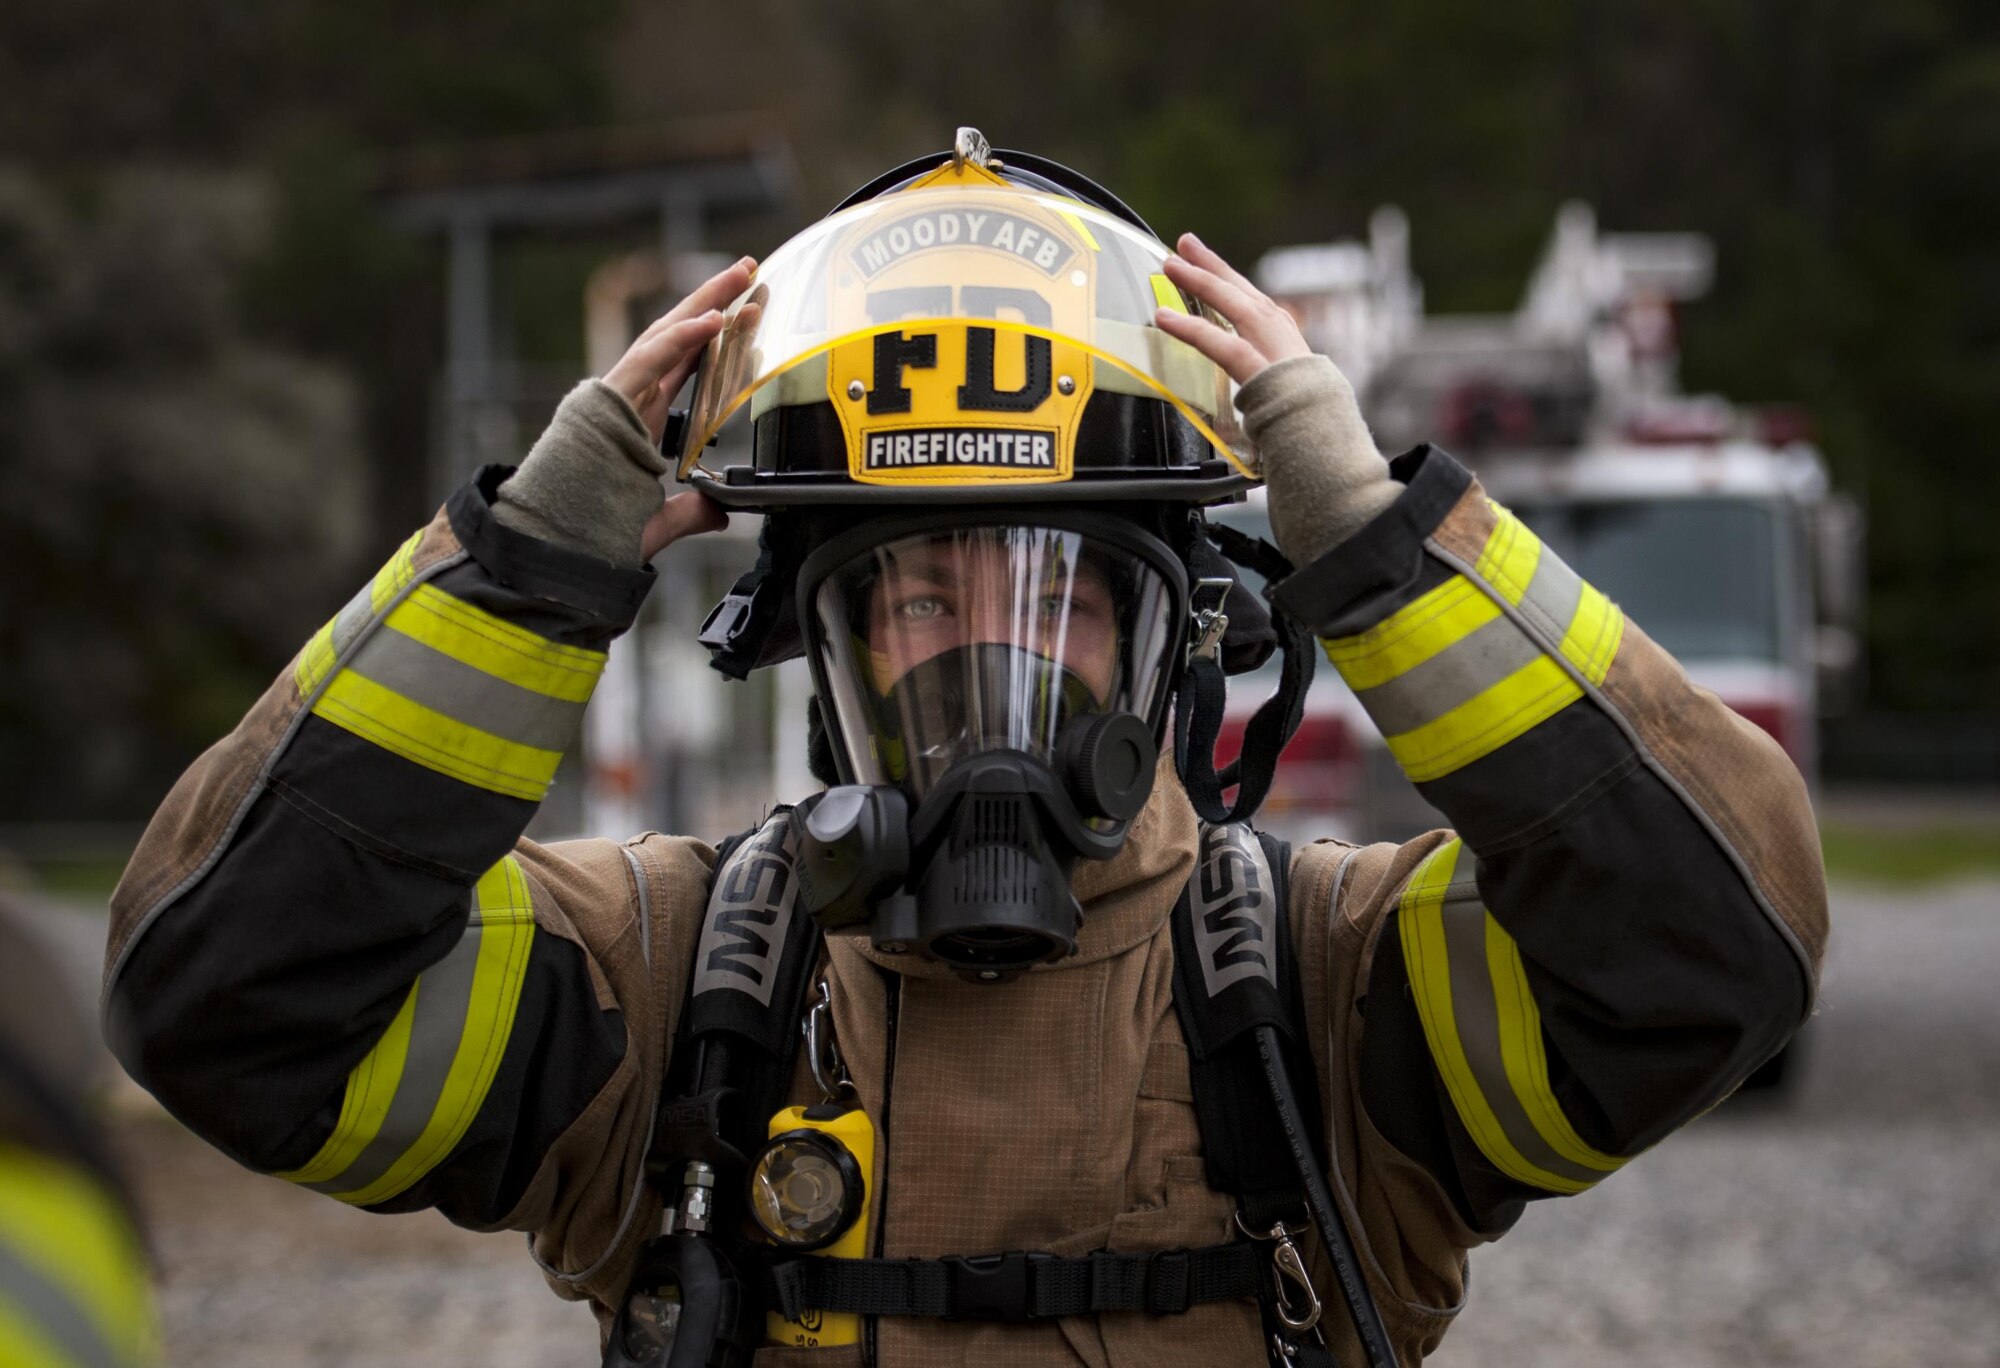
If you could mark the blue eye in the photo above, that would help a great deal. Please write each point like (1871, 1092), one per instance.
(921, 608)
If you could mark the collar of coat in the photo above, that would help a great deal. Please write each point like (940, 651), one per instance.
(1126, 899)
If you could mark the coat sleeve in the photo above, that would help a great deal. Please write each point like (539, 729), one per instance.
(335, 957)
(1630, 915)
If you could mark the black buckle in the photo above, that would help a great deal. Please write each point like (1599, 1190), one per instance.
(726, 621)
(991, 1287)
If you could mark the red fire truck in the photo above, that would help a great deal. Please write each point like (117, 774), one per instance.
(1713, 524)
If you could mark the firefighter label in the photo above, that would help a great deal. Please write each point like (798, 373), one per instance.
(960, 227)
(961, 447)
(958, 401)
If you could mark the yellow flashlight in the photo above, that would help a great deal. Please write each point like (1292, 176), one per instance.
(809, 1192)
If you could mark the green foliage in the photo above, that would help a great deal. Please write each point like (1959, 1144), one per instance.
(177, 503)
(104, 80)
(208, 377)
(1919, 857)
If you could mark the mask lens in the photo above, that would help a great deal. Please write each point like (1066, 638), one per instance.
(941, 646)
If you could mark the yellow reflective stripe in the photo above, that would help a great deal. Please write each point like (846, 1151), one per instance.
(479, 639)
(1082, 229)
(1511, 554)
(316, 661)
(371, 1086)
(66, 1230)
(1526, 1057)
(437, 742)
(506, 928)
(1436, 621)
(393, 577)
(1166, 295)
(1482, 724)
(1591, 643)
(1426, 956)
(410, 1100)
(23, 1345)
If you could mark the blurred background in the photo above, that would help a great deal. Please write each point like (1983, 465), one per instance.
(274, 278)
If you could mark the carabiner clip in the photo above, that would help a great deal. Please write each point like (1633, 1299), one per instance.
(822, 1050)
(1207, 620)
(1288, 1267)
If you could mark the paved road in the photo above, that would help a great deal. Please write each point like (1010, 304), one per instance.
(1855, 1221)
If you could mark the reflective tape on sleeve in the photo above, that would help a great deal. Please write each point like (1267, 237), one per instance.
(411, 1098)
(335, 639)
(1451, 677)
(455, 689)
(74, 1290)
(1485, 1031)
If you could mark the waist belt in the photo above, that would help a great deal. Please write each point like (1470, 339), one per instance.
(1013, 1287)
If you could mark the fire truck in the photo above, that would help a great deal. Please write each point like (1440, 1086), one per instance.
(1712, 523)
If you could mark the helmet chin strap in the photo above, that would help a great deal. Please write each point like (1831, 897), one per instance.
(1202, 695)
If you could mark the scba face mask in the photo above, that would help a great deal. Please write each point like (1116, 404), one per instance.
(994, 694)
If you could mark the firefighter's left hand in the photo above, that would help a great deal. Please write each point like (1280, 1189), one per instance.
(1264, 334)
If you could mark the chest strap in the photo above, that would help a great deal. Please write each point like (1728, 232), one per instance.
(1014, 1287)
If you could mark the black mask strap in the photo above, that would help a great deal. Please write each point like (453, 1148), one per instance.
(1199, 703)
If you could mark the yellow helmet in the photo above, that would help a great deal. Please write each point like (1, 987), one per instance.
(962, 329)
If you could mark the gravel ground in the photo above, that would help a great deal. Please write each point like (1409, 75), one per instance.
(1856, 1218)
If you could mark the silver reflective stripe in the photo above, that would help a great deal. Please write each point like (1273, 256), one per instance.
(51, 1310)
(1553, 595)
(1477, 1016)
(426, 675)
(1459, 673)
(349, 621)
(1235, 910)
(444, 995)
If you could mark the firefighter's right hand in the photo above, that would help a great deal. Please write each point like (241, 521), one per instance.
(655, 366)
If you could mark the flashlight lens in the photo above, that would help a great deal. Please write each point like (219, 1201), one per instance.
(805, 1189)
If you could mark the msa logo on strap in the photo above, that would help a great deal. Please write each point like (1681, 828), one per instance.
(749, 912)
(1235, 910)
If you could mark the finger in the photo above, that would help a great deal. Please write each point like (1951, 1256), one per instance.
(683, 515)
(1230, 300)
(1199, 252)
(714, 293)
(1237, 357)
(1254, 314)
(640, 370)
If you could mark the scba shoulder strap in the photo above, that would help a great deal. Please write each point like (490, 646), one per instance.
(733, 1052)
(1236, 991)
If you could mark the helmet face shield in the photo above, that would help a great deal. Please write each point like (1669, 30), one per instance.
(958, 328)
(938, 646)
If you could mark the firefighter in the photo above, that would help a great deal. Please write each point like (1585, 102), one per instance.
(987, 407)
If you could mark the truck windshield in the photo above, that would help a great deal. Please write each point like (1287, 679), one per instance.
(1699, 575)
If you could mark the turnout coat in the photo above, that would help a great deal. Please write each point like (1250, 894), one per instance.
(335, 956)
